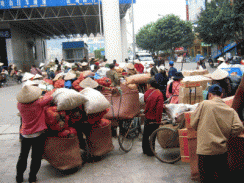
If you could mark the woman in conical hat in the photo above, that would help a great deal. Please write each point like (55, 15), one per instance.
(221, 77)
(31, 109)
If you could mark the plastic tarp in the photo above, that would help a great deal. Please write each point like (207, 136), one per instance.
(232, 68)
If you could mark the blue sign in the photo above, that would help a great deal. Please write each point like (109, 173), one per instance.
(102, 53)
(11, 4)
(72, 45)
(5, 33)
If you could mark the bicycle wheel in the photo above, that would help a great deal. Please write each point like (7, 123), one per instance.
(127, 135)
(164, 144)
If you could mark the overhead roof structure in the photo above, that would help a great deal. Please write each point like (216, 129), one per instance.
(58, 21)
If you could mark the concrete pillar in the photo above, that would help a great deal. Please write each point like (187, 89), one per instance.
(112, 30)
(124, 39)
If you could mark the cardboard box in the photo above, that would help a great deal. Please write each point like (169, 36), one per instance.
(194, 81)
(192, 100)
(194, 72)
(193, 91)
(183, 141)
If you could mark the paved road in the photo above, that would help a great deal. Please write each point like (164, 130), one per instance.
(117, 166)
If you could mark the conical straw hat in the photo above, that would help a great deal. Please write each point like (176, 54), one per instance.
(70, 76)
(219, 74)
(88, 82)
(130, 66)
(30, 83)
(221, 59)
(27, 76)
(37, 76)
(58, 76)
(29, 94)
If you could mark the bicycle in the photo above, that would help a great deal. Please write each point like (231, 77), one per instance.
(129, 130)
(164, 141)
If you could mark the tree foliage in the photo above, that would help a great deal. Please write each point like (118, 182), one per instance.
(168, 32)
(219, 22)
(97, 53)
(174, 32)
(146, 38)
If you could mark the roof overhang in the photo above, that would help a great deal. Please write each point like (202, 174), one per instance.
(58, 22)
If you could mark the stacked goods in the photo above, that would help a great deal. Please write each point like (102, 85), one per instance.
(68, 99)
(100, 138)
(194, 72)
(124, 105)
(96, 102)
(119, 72)
(138, 79)
(194, 81)
(183, 141)
(190, 95)
(104, 81)
(87, 73)
(76, 83)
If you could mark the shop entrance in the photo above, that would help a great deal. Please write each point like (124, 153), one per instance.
(3, 53)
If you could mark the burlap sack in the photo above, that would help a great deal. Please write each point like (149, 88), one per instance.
(100, 139)
(62, 153)
(163, 137)
(68, 99)
(96, 102)
(138, 79)
(125, 106)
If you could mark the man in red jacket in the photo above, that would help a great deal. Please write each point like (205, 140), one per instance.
(153, 113)
(138, 66)
(31, 108)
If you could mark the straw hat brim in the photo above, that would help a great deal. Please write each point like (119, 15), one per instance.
(219, 74)
(130, 66)
(37, 76)
(28, 94)
(27, 76)
(221, 59)
(58, 76)
(70, 76)
(88, 82)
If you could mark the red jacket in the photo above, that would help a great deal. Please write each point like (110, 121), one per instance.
(153, 105)
(33, 115)
(139, 67)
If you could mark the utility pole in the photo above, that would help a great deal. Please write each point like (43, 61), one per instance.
(133, 30)
(100, 19)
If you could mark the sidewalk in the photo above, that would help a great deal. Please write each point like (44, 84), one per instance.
(117, 166)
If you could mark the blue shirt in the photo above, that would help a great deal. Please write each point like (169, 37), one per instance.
(172, 72)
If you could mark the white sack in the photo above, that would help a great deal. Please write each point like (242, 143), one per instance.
(96, 101)
(141, 99)
(68, 99)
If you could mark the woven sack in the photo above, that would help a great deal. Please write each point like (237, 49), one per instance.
(163, 138)
(62, 153)
(138, 79)
(100, 138)
(124, 106)
(68, 99)
(96, 102)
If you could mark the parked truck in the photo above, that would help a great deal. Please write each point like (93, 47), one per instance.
(74, 51)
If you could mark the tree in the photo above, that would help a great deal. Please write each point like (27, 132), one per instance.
(172, 32)
(97, 53)
(146, 38)
(238, 19)
(216, 23)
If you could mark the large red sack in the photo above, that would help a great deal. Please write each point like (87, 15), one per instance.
(55, 120)
(125, 106)
(104, 81)
(93, 118)
(49, 81)
(62, 153)
(100, 138)
(77, 114)
(59, 83)
(76, 83)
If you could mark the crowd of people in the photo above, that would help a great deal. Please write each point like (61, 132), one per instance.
(164, 84)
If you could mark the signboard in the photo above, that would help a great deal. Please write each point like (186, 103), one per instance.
(102, 53)
(205, 44)
(5, 33)
(10, 4)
